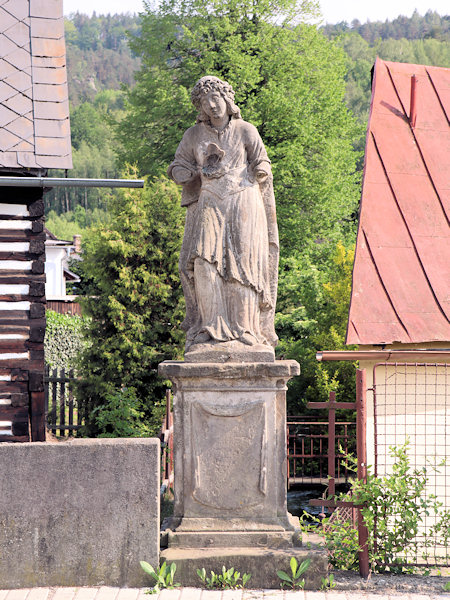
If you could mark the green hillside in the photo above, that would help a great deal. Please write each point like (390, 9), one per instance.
(101, 66)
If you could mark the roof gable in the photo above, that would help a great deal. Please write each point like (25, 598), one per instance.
(401, 275)
(34, 104)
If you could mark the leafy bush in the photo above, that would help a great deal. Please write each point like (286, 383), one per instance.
(64, 340)
(341, 541)
(122, 415)
(394, 508)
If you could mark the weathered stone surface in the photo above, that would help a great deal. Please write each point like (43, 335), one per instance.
(230, 453)
(275, 538)
(78, 513)
(229, 257)
(251, 373)
(233, 351)
(261, 563)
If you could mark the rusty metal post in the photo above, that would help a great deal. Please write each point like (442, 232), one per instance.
(361, 452)
(332, 445)
(287, 457)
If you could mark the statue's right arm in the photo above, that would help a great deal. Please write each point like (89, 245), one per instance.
(184, 168)
(181, 175)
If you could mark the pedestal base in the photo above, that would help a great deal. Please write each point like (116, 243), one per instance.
(230, 472)
(228, 533)
(261, 563)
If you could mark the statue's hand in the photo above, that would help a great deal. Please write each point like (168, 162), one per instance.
(261, 175)
(181, 175)
(259, 171)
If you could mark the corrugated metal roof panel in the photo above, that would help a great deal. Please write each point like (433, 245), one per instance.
(401, 275)
(34, 110)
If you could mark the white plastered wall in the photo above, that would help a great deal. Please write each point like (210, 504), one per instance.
(413, 402)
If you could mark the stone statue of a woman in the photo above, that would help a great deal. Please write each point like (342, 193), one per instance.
(229, 257)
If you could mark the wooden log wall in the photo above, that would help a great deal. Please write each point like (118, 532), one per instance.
(22, 315)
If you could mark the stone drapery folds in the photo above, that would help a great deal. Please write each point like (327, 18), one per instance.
(229, 257)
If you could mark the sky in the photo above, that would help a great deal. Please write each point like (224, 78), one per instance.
(333, 10)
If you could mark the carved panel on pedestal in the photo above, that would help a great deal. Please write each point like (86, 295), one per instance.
(229, 454)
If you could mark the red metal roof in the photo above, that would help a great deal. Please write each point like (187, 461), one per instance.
(401, 275)
(34, 105)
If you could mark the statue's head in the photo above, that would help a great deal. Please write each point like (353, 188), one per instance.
(210, 83)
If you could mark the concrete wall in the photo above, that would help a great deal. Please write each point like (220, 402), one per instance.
(78, 513)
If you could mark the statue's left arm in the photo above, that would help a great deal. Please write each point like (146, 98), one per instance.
(260, 171)
(258, 161)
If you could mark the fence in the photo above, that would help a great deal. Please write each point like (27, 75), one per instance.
(62, 414)
(64, 307)
(308, 450)
(411, 403)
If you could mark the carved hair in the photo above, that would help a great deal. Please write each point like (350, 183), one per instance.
(210, 83)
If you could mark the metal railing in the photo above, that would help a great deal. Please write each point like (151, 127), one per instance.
(308, 450)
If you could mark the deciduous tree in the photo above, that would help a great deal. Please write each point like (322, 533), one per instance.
(289, 82)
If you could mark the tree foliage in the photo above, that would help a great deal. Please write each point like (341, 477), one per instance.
(135, 299)
(64, 340)
(311, 315)
(416, 27)
(289, 82)
(98, 55)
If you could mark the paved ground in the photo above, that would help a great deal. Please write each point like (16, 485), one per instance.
(108, 593)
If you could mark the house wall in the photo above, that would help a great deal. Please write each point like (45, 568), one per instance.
(410, 402)
(55, 285)
(22, 314)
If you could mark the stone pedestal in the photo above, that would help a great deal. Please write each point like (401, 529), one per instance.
(230, 452)
(230, 462)
(230, 472)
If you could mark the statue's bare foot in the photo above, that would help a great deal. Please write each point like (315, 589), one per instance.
(249, 339)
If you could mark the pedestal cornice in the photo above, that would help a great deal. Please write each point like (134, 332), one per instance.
(282, 369)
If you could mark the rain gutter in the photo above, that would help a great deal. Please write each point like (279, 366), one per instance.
(382, 355)
(69, 182)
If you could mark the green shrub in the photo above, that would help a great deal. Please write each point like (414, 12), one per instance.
(394, 510)
(64, 340)
(122, 415)
(395, 507)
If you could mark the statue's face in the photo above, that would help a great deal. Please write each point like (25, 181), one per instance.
(214, 105)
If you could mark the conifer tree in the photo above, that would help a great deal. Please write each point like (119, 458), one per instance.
(135, 301)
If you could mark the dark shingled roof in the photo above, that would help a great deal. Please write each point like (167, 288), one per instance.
(34, 105)
(401, 275)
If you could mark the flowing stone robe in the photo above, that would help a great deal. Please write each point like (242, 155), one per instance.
(229, 257)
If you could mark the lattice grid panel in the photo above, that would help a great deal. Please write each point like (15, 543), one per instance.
(412, 403)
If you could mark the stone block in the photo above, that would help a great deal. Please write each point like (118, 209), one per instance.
(78, 513)
(230, 454)
(261, 563)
